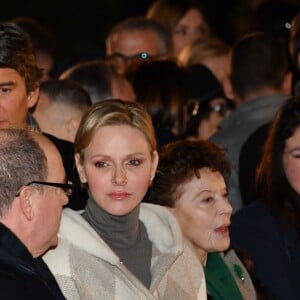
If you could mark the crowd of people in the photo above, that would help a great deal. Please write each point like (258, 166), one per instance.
(168, 169)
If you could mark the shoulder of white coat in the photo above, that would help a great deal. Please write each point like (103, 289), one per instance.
(162, 228)
(76, 230)
(58, 259)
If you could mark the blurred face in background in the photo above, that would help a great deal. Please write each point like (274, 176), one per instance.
(190, 27)
(127, 47)
(210, 125)
(46, 62)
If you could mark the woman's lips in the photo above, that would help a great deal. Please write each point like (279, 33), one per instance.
(119, 195)
(222, 229)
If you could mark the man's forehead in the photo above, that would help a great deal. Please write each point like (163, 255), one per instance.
(136, 41)
(10, 76)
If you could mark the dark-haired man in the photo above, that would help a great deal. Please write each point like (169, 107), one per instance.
(19, 76)
(259, 82)
(19, 91)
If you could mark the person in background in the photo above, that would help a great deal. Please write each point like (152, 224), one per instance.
(251, 151)
(268, 228)
(185, 20)
(20, 82)
(191, 181)
(259, 81)
(19, 77)
(161, 87)
(61, 105)
(294, 49)
(78, 57)
(295, 40)
(207, 105)
(59, 111)
(101, 80)
(212, 53)
(118, 247)
(45, 45)
(33, 192)
(137, 39)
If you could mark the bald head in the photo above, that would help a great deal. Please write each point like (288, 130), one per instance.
(53, 157)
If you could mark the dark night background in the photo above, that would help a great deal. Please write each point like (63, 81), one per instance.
(81, 26)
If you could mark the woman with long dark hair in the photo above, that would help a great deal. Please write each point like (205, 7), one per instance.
(269, 228)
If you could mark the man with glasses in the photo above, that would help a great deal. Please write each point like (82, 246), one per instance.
(32, 195)
(137, 39)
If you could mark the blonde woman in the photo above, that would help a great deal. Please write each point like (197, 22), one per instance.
(118, 248)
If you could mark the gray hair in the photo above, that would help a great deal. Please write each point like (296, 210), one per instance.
(21, 160)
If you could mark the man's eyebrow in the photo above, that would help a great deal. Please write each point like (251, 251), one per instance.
(7, 83)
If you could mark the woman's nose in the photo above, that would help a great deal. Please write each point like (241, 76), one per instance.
(226, 207)
(119, 177)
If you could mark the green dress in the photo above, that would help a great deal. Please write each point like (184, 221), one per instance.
(220, 283)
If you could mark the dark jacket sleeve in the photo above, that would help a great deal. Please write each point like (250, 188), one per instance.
(254, 230)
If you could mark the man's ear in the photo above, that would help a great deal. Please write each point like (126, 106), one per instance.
(32, 97)
(80, 168)
(71, 127)
(25, 201)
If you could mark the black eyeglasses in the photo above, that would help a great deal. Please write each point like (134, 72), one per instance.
(66, 187)
(139, 56)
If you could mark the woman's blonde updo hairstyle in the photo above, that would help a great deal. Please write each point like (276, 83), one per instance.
(113, 112)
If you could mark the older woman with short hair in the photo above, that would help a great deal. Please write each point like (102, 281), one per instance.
(191, 180)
